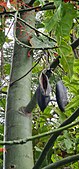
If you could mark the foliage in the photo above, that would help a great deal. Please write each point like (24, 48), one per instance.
(61, 24)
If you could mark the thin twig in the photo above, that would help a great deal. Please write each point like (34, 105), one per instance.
(75, 44)
(62, 162)
(10, 27)
(25, 140)
(33, 28)
(12, 83)
(47, 6)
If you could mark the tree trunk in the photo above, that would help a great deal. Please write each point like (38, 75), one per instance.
(18, 126)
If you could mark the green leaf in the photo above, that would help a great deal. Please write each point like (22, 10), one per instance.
(68, 143)
(54, 20)
(53, 158)
(64, 48)
(1, 128)
(1, 162)
(37, 149)
(62, 20)
(68, 13)
(37, 68)
(76, 66)
(75, 165)
(41, 42)
(2, 103)
(7, 68)
(8, 39)
(2, 37)
(67, 58)
(4, 89)
(74, 103)
(57, 2)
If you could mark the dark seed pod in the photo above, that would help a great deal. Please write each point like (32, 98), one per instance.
(42, 99)
(61, 95)
(43, 92)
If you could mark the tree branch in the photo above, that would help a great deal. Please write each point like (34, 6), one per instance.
(62, 162)
(36, 30)
(30, 47)
(75, 44)
(26, 46)
(12, 83)
(24, 141)
(51, 141)
(47, 6)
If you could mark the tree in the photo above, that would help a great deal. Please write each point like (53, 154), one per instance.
(55, 49)
(16, 125)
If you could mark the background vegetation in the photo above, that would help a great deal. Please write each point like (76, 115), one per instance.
(56, 34)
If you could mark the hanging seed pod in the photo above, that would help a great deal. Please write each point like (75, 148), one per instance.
(61, 95)
(43, 92)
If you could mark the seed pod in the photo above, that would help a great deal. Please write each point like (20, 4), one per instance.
(43, 92)
(61, 95)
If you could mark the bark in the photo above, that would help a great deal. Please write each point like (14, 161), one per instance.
(18, 126)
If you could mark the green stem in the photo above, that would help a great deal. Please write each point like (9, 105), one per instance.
(51, 141)
(62, 162)
(24, 141)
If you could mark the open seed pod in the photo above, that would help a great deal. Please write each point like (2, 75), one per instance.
(43, 91)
